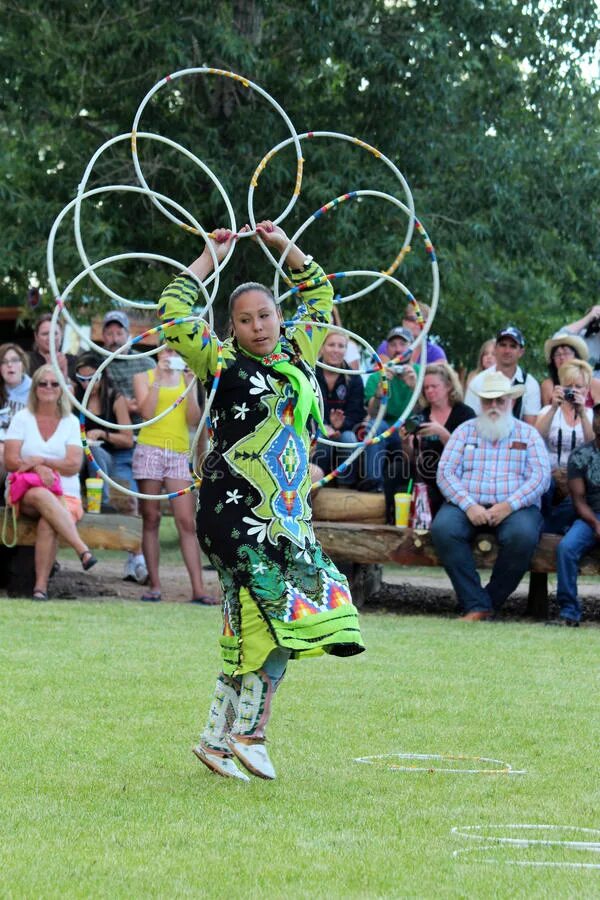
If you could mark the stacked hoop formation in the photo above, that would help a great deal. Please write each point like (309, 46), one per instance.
(181, 217)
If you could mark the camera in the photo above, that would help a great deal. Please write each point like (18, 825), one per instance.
(413, 423)
(569, 394)
(592, 328)
(176, 364)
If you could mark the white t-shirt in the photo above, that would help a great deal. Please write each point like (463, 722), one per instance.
(25, 428)
(532, 399)
(569, 437)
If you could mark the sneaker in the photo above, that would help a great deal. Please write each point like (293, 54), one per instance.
(129, 568)
(140, 572)
(253, 757)
(220, 765)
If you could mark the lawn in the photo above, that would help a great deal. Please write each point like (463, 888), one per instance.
(101, 796)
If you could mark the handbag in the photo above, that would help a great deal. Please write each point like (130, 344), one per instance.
(20, 482)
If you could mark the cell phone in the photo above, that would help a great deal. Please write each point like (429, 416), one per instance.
(176, 364)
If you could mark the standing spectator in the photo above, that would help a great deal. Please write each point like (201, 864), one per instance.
(588, 328)
(44, 440)
(485, 358)
(493, 472)
(510, 346)
(561, 348)
(443, 412)
(386, 460)
(161, 457)
(108, 404)
(14, 389)
(584, 485)
(435, 353)
(343, 407)
(115, 333)
(564, 424)
(40, 354)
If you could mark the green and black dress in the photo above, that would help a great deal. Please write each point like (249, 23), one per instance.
(254, 515)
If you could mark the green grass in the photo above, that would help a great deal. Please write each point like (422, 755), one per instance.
(101, 797)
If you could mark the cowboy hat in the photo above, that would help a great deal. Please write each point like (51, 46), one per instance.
(566, 339)
(495, 384)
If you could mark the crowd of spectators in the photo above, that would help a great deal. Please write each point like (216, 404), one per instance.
(513, 456)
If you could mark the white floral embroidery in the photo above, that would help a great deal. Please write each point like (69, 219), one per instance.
(259, 568)
(241, 411)
(259, 383)
(233, 496)
(305, 555)
(258, 528)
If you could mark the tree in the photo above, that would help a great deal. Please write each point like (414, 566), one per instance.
(481, 104)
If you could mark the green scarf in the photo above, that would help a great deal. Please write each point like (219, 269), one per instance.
(306, 400)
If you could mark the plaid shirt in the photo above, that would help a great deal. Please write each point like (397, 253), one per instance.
(123, 368)
(475, 470)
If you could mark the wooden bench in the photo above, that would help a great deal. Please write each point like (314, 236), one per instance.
(101, 531)
(364, 545)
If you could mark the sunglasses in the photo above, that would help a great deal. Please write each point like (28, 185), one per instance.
(11, 362)
(409, 318)
(49, 384)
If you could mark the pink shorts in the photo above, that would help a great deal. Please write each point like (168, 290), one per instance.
(156, 464)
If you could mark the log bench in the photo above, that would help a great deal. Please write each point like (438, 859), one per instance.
(100, 531)
(350, 526)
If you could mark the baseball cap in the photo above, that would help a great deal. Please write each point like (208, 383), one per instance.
(400, 332)
(511, 332)
(115, 315)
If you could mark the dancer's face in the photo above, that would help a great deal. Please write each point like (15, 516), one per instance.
(256, 322)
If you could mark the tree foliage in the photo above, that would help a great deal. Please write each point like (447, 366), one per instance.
(482, 105)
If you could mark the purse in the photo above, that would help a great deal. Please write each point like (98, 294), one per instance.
(20, 482)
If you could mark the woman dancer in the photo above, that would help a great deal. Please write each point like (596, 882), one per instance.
(282, 597)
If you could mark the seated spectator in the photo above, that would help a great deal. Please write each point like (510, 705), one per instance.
(509, 349)
(40, 354)
(352, 354)
(343, 407)
(493, 473)
(385, 461)
(108, 404)
(44, 440)
(122, 369)
(485, 358)
(584, 485)
(564, 424)
(443, 412)
(14, 389)
(588, 329)
(561, 348)
(161, 458)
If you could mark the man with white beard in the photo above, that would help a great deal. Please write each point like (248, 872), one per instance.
(493, 472)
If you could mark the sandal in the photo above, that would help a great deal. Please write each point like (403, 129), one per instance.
(151, 597)
(205, 600)
(39, 595)
(87, 560)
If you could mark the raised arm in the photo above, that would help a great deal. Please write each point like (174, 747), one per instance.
(193, 340)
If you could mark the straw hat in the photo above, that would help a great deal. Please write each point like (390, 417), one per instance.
(566, 338)
(495, 384)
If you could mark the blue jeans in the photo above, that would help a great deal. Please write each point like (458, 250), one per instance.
(381, 460)
(578, 540)
(517, 535)
(557, 519)
(328, 458)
